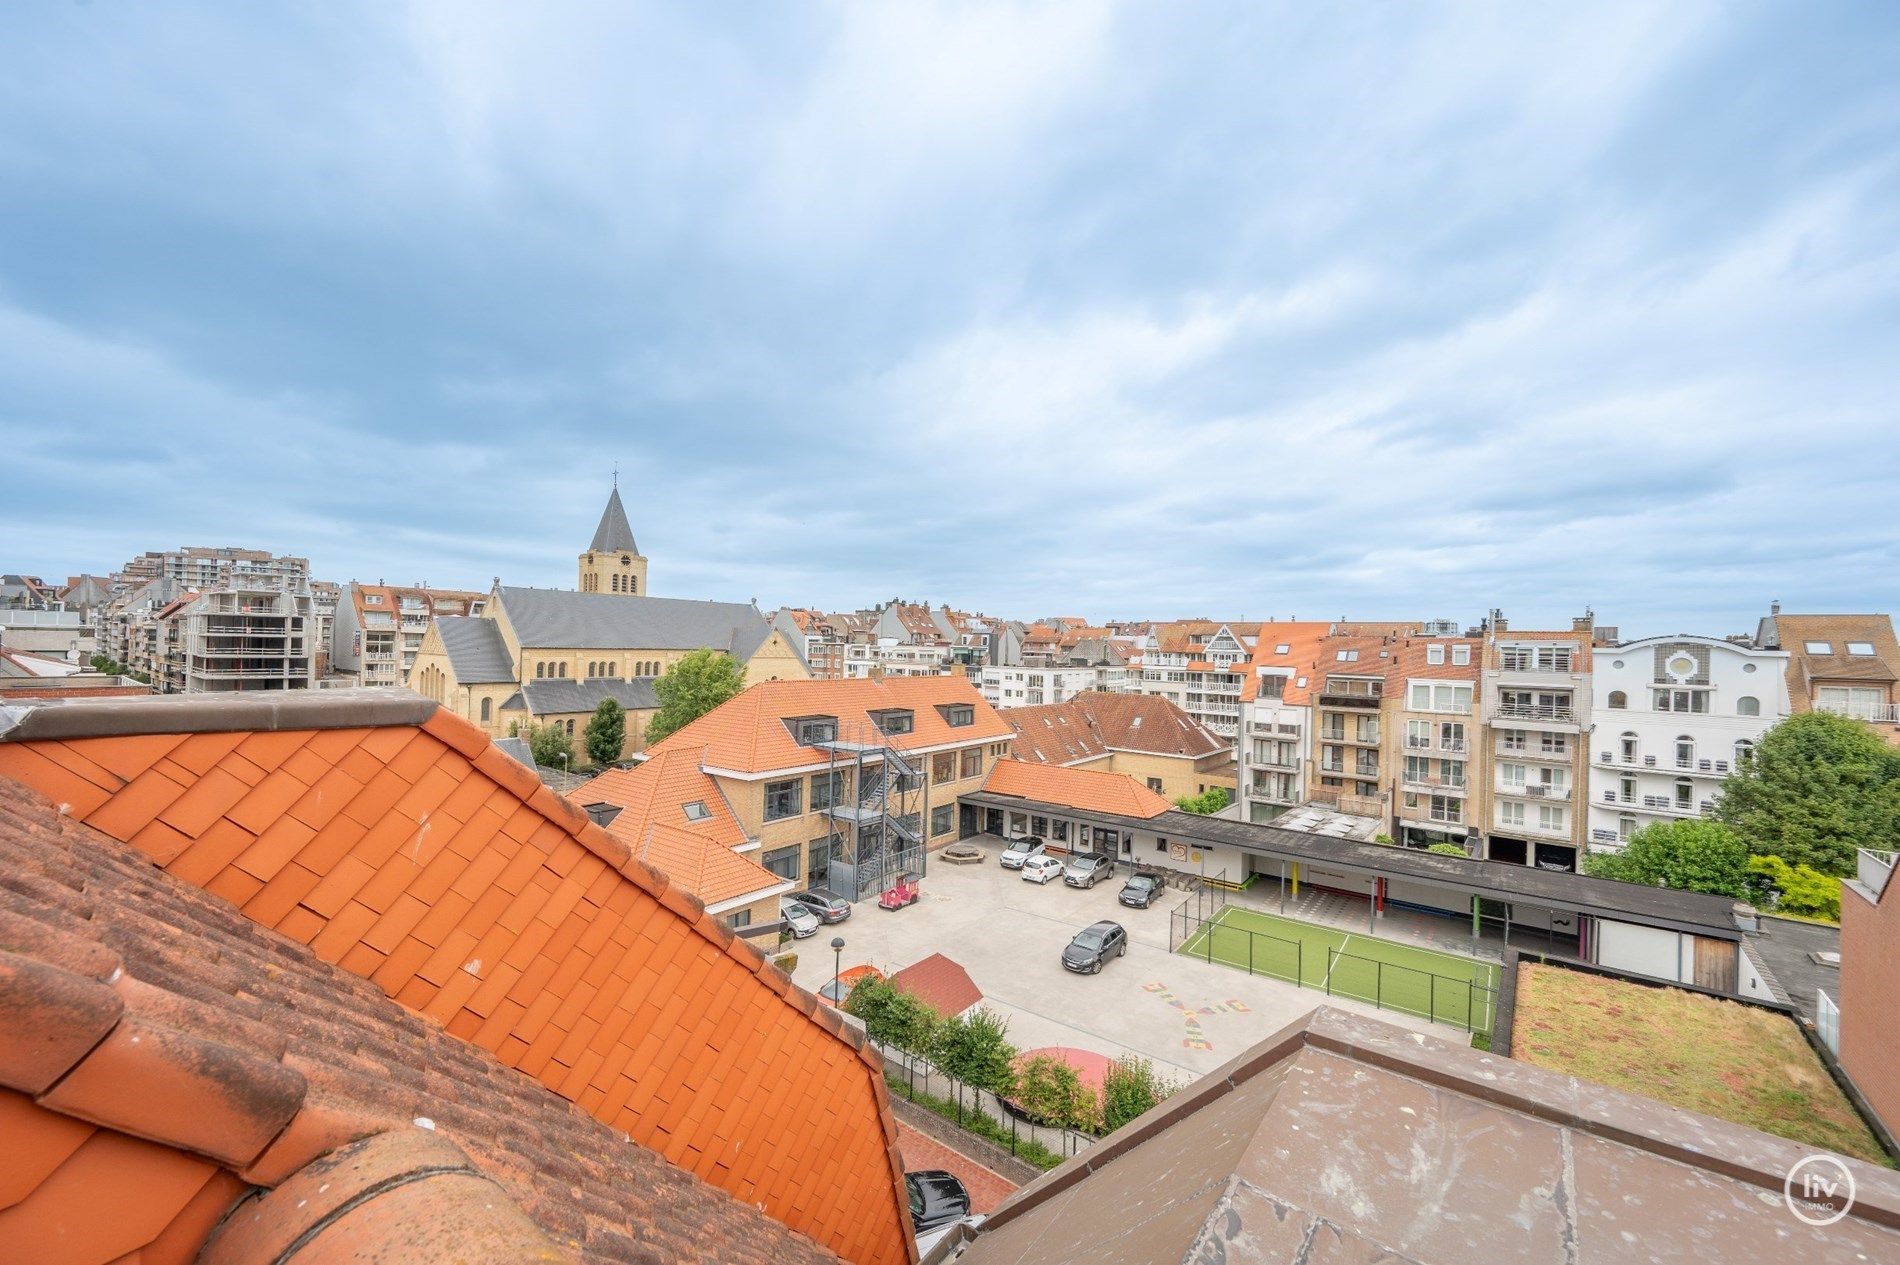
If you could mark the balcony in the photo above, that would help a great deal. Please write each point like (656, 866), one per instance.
(1534, 829)
(1535, 790)
(1355, 805)
(1536, 713)
(1873, 867)
(1346, 692)
(1351, 736)
(1436, 784)
(1873, 713)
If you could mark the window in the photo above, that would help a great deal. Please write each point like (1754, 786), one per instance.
(959, 717)
(739, 918)
(540, 670)
(1625, 827)
(943, 766)
(487, 707)
(1747, 705)
(1619, 700)
(1685, 793)
(696, 810)
(827, 789)
(1511, 776)
(1863, 648)
(1550, 817)
(1347, 656)
(972, 761)
(1626, 790)
(1818, 647)
(783, 799)
(1744, 752)
(1434, 654)
(942, 820)
(1154, 784)
(811, 730)
(895, 722)
(1510, 814)
(1461, 656)
(1282, 648)
(1685, 751)
(1682, 700)
(1629, 748)
(783, 861)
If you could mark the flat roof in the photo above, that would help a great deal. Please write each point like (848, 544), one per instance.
(1696, 912)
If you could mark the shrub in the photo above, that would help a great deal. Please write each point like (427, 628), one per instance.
(787, 962)
(1130, 1088)
(975, 1049)
(976, 1122)
(1449, 850)
(1207, 803)
(1797, 889)
(1050, 1091)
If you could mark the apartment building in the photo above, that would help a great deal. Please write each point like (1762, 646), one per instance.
(842, 784)
(1845, 664)
(1674, 716)
(201, 568)
(882, 657)
(1433, 735)
(1537, 712)
(1199, 666)
(379, 628)
(244, 635)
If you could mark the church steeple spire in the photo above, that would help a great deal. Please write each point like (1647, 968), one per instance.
(612, 563)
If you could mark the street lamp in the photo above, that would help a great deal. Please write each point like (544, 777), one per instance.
(837, 958)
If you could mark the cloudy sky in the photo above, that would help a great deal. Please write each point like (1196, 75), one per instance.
(1250, 310)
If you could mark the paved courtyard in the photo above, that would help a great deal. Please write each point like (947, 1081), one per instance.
(1188, 1016)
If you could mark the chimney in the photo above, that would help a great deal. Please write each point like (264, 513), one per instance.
(1774, 608)
(1584, 622)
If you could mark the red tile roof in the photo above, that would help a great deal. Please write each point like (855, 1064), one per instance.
(1083, 789)
(163, 1054)
(940, 984)
(397, 842)
(1091, 725)
(657, 790)
(747, 734)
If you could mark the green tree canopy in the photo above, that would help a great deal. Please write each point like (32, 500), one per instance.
(1050, 1091)
(1207, 803)
(548, 743)
(1130, 1087)
(1689, 855)
(975, 1049)
(606, 732)
(1817, 787)
(1796, 889)
(693, 686)
(893, 1016)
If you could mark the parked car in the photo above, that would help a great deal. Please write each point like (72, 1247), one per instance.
(936, 1199)
(1141, 891)
(1087, 871)
(1041, 869)
(828, 905)
(1020, 850)
(1093, 946)
(904, 890)
(799, 918)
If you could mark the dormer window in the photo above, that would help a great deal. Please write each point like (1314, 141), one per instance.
(696, 810)
(809, 731)
(602, 814)
(895, 721)
(372, 599)
(957, 715)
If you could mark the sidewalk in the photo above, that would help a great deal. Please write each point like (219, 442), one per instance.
(920, 1151)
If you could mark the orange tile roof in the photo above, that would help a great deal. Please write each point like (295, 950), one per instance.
(1305, 653)
(400, 844)
(658, 790)
(747, 734)
(1090, 725)
(1805, 670)
(1085, 789)
(940, 984)
(163, 1056)
(710, 871)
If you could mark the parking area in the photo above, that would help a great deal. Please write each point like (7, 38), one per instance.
(1188, 1016)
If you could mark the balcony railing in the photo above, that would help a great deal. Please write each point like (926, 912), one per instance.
(1525, 711)
(1534, 790)
(1349, 693)
(1434, 784)
(1873, 867)
(1877, 713)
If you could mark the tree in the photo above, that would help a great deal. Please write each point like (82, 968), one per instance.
(892, 1016)
(975, 1049)
(693, 686)
(1207, 803)
(1050, 1091)
(1796, 889)
(606, 732)
(1817, 787)
(548, 743)
(1689, 855)
(1130, 1087)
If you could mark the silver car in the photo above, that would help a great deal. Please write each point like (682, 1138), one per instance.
(799, 918)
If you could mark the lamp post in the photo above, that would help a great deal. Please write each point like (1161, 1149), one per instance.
(837, 959)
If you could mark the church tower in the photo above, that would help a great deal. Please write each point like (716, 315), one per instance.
(612, 563)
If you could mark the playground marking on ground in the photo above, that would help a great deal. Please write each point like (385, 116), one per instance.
(1196, 1038)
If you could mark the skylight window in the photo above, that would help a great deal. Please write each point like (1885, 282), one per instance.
(1347, 656)
(1818, 647)
(1860, 647)
(696, 810)
(1282, 648)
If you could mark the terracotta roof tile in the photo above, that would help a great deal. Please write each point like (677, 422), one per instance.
(610, 1000)
(1085, 789)
(940, 984)
(1091, 725)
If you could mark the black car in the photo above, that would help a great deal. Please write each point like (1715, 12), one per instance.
(1093, 946)
(936, 1199)
(1141, 891)
(828, 905)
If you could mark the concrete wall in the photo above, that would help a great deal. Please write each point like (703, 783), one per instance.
(1645, 950)
(1751, 983)
(1870, 973)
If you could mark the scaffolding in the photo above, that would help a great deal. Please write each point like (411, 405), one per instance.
(879, 802)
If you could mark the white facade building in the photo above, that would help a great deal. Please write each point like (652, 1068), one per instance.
(1673, 717)
(887, 657)
(1031, 687)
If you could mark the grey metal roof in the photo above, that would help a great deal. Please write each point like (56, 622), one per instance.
(557, 619)
(562, 697)
(518, 748)
(1698, 912)
(476, 651)
(613, 535)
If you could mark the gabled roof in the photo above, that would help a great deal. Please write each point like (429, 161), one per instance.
(402, 846)
(564, 695)
(475, 649)
(1084, 789)
(1090, 725)
(163, 1054)
(747, 734)
(556, 619)
(715, 874)
(1792, 633)
(657, 790)
(613, 535)
(1344, 1138)
(940, 984)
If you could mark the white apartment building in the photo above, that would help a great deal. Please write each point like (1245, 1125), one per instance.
(1673, 717)
(1031, 687)
(244, 636)
(1200, 669)
(887, 656)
